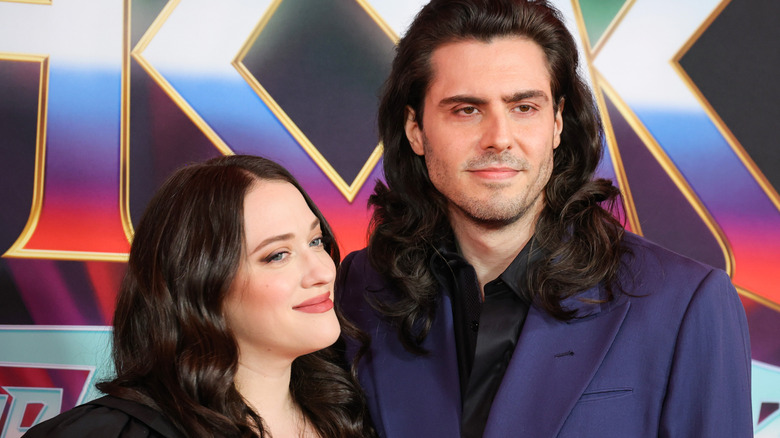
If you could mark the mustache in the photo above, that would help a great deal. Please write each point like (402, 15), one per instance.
(494, 159)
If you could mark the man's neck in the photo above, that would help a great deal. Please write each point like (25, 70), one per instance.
(490, 250)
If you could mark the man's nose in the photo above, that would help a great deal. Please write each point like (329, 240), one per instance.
(497, 132)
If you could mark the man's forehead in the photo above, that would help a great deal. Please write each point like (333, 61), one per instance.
(468, 66)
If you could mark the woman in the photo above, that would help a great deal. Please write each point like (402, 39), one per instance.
(225, 316)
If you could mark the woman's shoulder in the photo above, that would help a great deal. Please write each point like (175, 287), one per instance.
(107, 417)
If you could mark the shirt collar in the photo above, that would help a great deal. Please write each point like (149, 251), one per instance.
(447, 258)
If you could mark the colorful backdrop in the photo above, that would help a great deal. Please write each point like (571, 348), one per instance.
(101, 99)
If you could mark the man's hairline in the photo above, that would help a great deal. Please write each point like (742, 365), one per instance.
(418, 112)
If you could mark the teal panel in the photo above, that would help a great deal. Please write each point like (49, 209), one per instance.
(598, 15)
(87, 346)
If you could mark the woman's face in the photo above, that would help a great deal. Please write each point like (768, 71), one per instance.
(280, 305)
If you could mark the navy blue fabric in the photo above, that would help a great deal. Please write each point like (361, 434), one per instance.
(670, 360)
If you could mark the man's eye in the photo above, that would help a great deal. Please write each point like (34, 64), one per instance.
(524, 108)
(468, 110)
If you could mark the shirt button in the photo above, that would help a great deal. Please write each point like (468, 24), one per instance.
(474, 326)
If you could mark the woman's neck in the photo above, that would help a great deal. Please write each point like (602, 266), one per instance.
(266, 390)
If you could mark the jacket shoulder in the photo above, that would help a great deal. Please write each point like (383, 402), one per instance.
(358, 283)
(106, 417)
(659, 280)
(356, 275)
(649, 262)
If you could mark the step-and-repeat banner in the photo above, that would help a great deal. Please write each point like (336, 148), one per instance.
(101, 99)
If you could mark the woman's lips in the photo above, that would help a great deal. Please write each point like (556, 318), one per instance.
(319, 304)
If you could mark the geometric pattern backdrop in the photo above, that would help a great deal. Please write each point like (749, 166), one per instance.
(101, 99)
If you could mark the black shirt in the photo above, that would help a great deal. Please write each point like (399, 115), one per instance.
(485, 332)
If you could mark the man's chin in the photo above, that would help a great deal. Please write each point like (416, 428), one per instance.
(491, 219)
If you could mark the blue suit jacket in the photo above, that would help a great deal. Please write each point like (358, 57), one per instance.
(671, 360)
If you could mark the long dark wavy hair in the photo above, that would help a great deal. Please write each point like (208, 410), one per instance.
(579, 239)
(172, 347)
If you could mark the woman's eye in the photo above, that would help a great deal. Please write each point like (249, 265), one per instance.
(276, 257)
(317, 242)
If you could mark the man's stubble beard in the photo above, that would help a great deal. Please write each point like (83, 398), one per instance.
(496, 213)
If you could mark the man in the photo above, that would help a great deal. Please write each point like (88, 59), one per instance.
(500, 298)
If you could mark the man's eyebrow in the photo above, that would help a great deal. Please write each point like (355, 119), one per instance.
(462, 98)
(473, 100)
(526, 94)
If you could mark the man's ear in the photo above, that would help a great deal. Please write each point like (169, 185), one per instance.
(413, 131)
(558, 124)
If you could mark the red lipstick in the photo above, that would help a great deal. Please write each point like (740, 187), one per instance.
(318, 304)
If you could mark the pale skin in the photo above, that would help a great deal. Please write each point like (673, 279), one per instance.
(280, 304)
(488, 134)
(268, 392)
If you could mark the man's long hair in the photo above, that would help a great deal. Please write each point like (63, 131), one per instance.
(173, 349)
(579, 239)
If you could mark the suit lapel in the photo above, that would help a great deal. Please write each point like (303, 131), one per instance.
(553, 363)
(418, 396)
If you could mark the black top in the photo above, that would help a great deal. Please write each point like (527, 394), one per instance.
(107, 417)
(486, 332)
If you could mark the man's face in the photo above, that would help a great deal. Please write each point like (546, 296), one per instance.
(489, 128)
